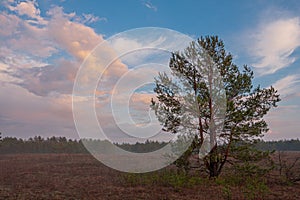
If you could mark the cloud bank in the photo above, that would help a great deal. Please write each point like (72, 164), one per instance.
(40, 54)
(272, 44)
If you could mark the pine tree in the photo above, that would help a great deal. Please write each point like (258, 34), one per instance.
(206, 91)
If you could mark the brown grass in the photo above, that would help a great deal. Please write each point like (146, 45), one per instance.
(65, 176)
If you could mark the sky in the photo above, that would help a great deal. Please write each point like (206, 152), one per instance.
(43, 43)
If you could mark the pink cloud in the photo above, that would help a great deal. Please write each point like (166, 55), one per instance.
(21, 36)
(8, 24)
(283, 122)
(28, 8)
(57, 78)
(27, 45)
(40, 98)
(45, 36)
(39, 101)
(74, 37)
(33, 115)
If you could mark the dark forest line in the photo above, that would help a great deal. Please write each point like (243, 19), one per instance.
(280, 145)
(10, 145)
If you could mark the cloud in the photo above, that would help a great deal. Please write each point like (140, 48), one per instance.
(152, 50)
(273, 44)
(18, 35)
(8, 57)
(76, 38)
(28, 8)
(26, 48)
(39, 58)
(5, 77)
(24, 114)
(90, 18)
(57, 32)
(8, 25)
(11, 64)
(149, 5)
(124, 45)
(51, 79)
(288, 86)
(283, 122)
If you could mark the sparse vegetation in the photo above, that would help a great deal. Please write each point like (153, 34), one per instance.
(80, 176)
(288, 167)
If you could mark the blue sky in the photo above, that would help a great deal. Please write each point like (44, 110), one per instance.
(43, 43)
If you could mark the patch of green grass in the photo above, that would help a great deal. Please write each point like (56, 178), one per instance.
(255, 188)
(227, 192)
(230, 180)
(252, 187)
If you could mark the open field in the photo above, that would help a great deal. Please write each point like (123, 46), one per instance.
(76, 176)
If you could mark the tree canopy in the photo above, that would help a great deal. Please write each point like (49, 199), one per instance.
(208, 96)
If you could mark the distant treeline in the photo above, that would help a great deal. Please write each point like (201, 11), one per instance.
(41, 145)
(9, 145)
(281, 145)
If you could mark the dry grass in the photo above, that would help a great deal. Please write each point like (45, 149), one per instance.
(65, 176)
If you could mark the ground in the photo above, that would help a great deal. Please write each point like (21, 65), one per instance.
(66, 176)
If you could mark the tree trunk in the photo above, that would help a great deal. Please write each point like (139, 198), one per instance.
(213, 169)
(213, 164)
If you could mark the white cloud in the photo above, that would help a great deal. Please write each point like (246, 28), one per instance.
(90, 18)
(288, 86)
(135, 52)
(273, 43)
(125, 45)
(149, 5)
